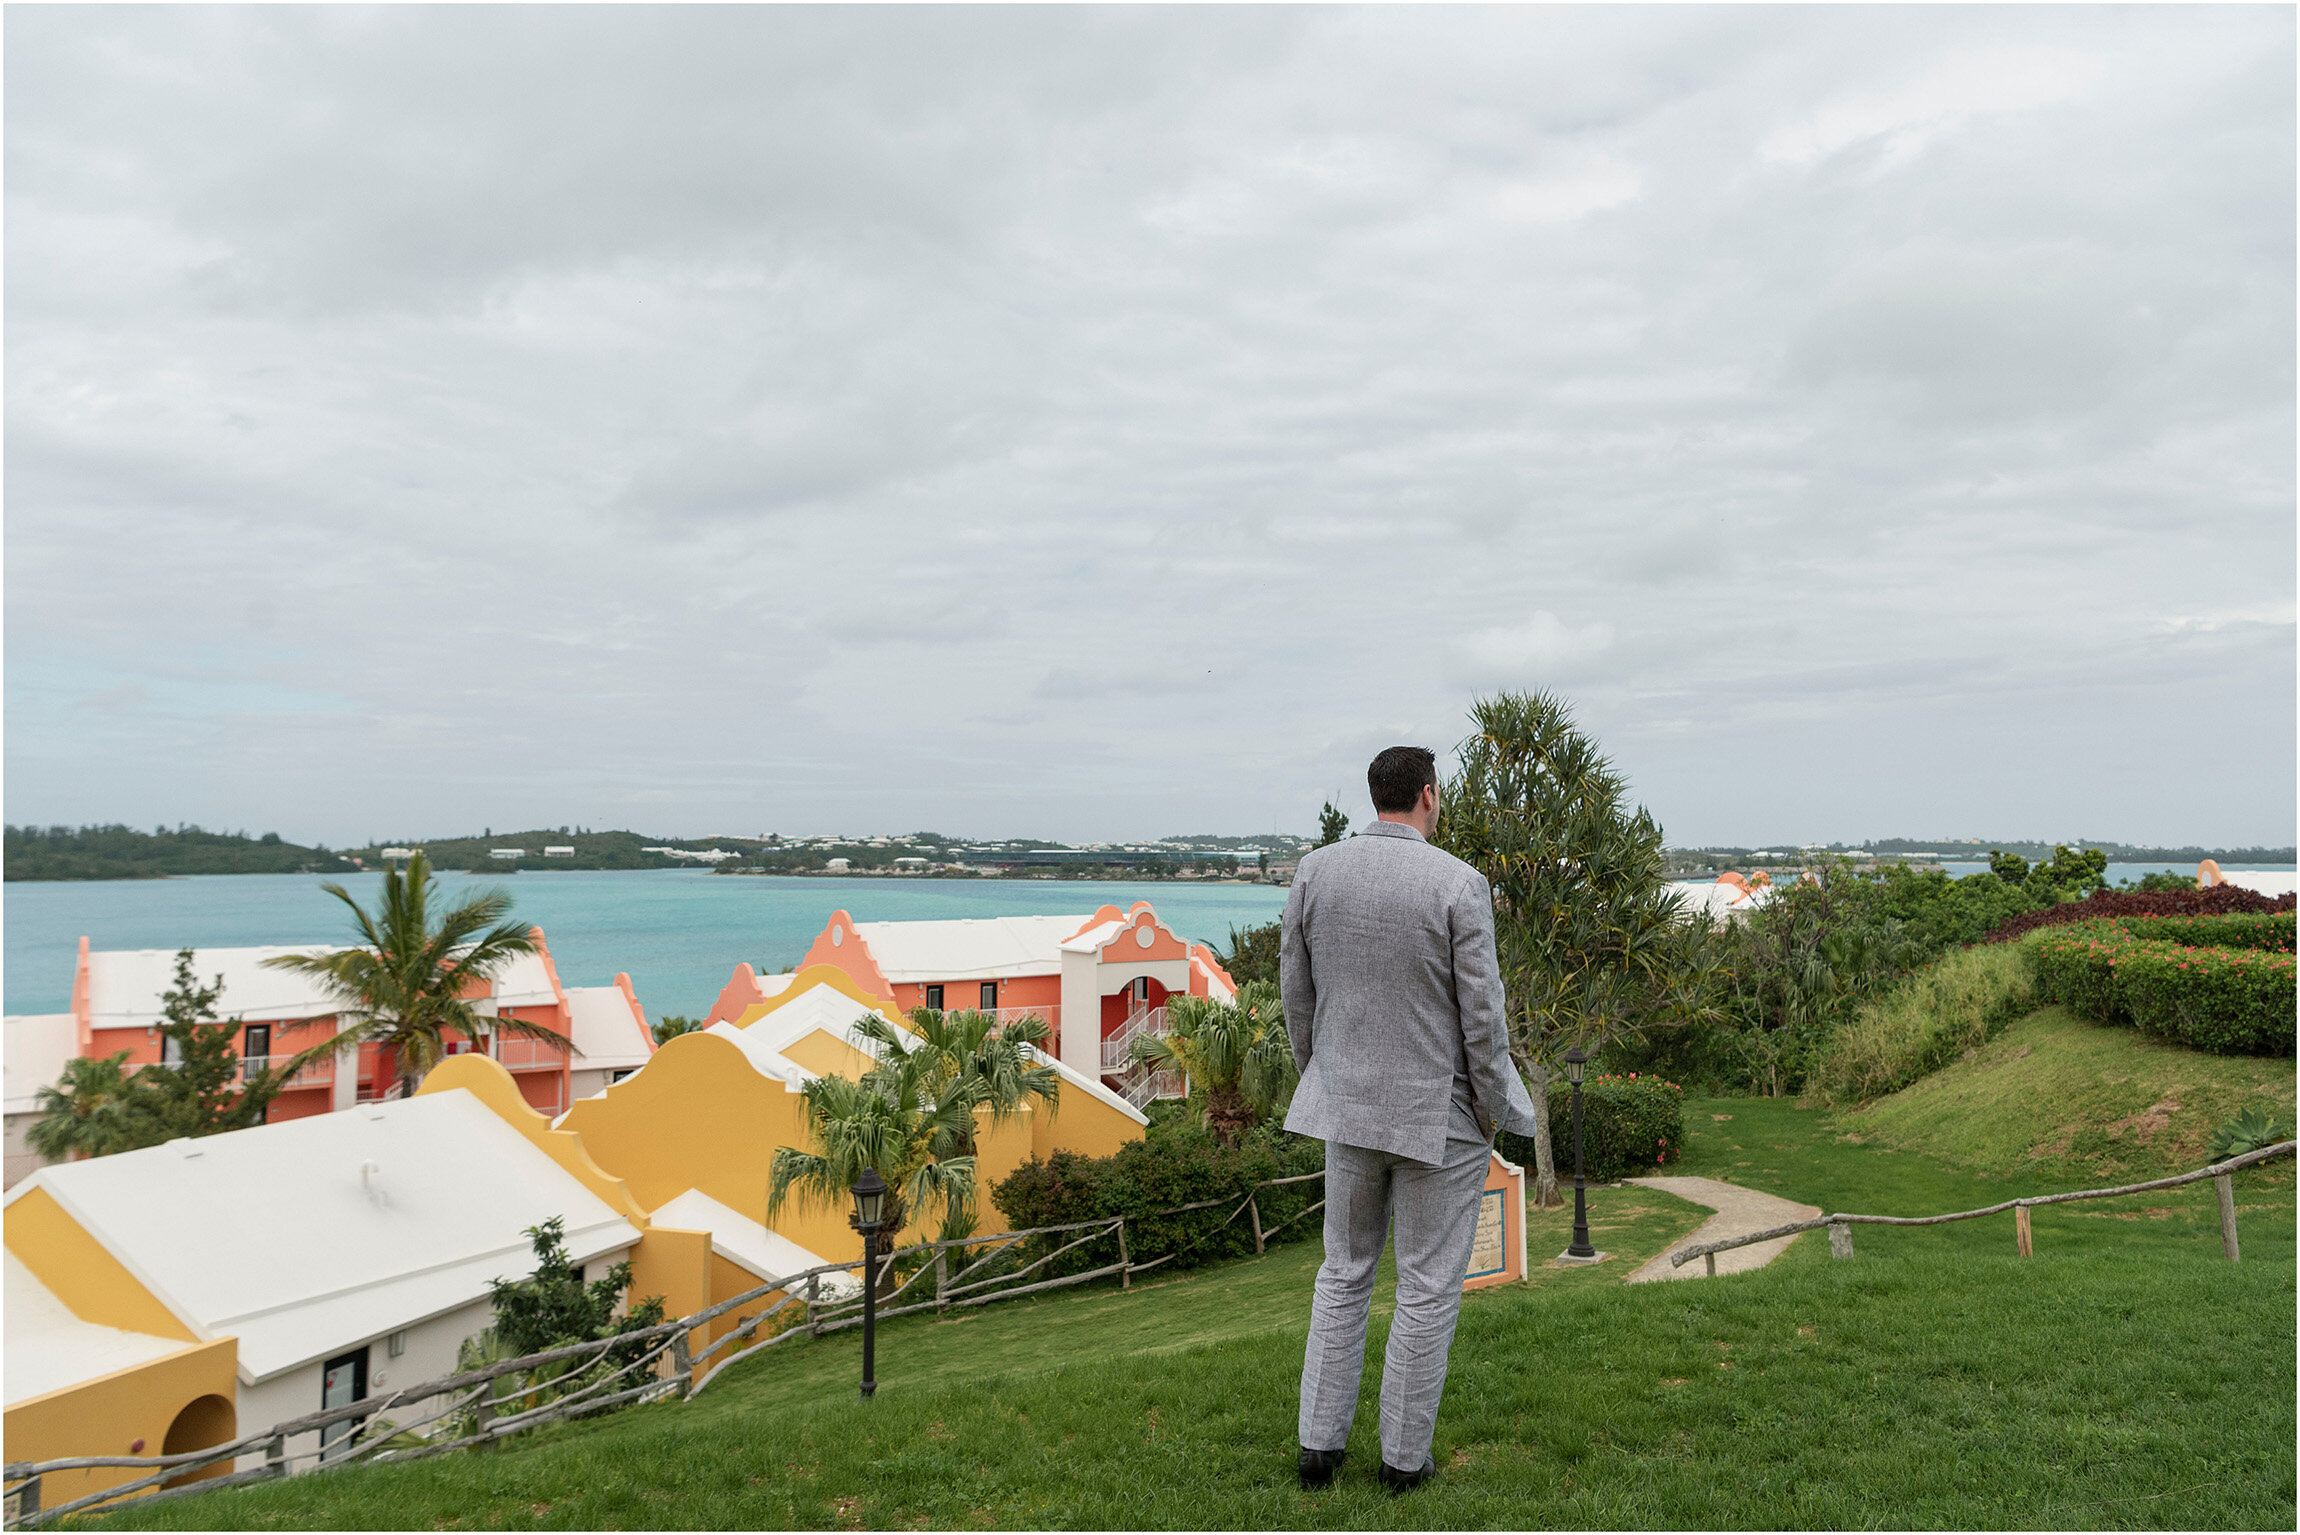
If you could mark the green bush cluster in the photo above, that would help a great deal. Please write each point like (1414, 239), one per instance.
(1958, 1004)
(1630, 1123)
(1181, 1165)
(2231, 994)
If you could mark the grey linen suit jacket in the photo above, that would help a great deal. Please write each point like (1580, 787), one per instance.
(1393, 996)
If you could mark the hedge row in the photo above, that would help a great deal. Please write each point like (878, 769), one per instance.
(2227, 999)
(1180, 1165)
(1629, 1124)
(2212, 901)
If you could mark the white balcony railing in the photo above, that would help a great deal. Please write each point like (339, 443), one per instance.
(520, 1053)
(317, 1072)
(1118, 1048)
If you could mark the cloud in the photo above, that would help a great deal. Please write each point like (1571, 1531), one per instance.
(1104, 421)
(1541, 647)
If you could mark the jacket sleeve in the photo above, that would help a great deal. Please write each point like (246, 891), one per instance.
(1477, 991)
(1297, 992)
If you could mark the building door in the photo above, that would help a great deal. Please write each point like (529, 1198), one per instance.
(342, 1381)
(934, 998)
(990, 996)
(255, 1048)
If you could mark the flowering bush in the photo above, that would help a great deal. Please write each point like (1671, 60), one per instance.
(2231, 996)
(1630, 1123)
(2217, 901)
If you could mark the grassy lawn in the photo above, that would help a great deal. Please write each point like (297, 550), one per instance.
(2124, 1377)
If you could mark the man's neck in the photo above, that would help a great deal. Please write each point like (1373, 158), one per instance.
(1404, 818)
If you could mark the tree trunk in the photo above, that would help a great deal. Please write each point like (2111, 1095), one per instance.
(1545, 1194)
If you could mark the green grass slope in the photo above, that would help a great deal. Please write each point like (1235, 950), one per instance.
(2063, 1097)
(2124, 1377)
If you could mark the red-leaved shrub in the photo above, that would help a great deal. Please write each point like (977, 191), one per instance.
(2212, 901)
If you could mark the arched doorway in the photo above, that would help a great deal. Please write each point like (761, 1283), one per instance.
(204, 1423)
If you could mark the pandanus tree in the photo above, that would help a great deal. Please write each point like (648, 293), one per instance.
(403, 985)
(1236, 1052)
(1593, 944)
(962, 1045)
(897, 1119)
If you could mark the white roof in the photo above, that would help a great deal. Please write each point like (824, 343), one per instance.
(1718, 898)
(970, 948)
(314, 1235)
(2264, 881)
(607, 1033)
(33, 1050)
(1092, 940)
(737, 1238)
(48, 1348)
(125, 985)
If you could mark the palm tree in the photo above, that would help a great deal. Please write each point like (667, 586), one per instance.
(89, 1110)
(898, 1121)
(1238, 1051)
(403, 989)
(951, 1047)
(1592, 942)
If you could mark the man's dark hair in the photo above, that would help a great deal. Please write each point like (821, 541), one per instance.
(1398, 776)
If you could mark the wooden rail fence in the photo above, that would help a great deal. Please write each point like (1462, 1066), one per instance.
(489, 1400)
(1840, 1227)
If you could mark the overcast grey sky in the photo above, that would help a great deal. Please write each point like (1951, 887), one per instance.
(1101, 423)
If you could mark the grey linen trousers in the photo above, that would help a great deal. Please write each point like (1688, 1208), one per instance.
(1433, 1208)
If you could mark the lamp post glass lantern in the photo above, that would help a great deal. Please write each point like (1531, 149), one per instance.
(1576, 1060)
(870, 1214)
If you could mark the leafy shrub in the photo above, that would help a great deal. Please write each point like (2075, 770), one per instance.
(1182, 1166)
(2227, 999)
(1956, 1005)
(2238, 930)
(2249, 1131)
(1630, 1123)
(2214, 901)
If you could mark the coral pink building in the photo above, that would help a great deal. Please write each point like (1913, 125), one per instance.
(1099, 981)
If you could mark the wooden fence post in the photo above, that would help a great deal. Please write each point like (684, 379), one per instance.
(1840, 1240)
(1125, 1263)
(485, 1410)
(1255, 1210)
(28, 1498)
(1709, 1260)
(941, 1280)
(2225, 1187)
(682, 1363)
(2022, 1238)
(275, 1455)
(814, 1305)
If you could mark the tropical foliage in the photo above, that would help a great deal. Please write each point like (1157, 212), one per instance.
(899, 1120)
(2225, 986)
(1000, 1066)
(1235, 1054)
(1593, 945)
(552, 1307)
(670, 1026)
(1631, 1123)
(403, 986)
(1333, 824)
(1253, 954)
(98, 1107)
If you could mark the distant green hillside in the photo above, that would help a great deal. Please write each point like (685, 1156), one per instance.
(122, 852)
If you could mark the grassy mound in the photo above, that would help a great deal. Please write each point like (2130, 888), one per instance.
(1957, 1004)
(2126, 1375)
(2061, 1097)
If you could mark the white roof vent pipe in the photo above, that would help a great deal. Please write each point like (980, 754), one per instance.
(370, 1184)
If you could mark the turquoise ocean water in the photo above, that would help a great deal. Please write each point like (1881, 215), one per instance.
(678, 932)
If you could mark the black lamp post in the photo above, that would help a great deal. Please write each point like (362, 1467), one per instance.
(870, 1212)
(1575, 1061)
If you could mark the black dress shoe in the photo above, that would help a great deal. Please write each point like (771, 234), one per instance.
(1318, 1468)
(1405, 1481)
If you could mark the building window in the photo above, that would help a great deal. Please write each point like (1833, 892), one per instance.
(934, 998)
(342, 1381)
(989, 996)
(171, 1050)
(1141, 988)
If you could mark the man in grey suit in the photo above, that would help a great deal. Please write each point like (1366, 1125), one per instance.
(1394, 1004)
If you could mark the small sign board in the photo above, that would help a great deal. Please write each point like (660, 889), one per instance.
(1497, 1252)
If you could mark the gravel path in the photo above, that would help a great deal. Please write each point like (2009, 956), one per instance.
(1739, 1211)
